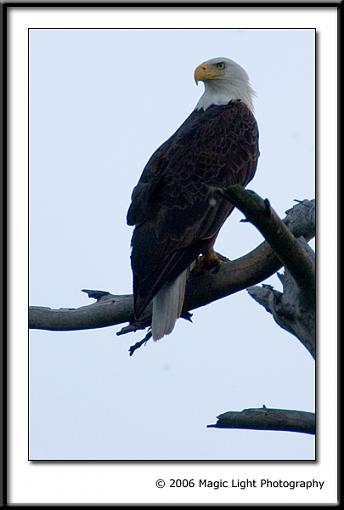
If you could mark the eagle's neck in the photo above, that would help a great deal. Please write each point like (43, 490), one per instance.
(220, 92)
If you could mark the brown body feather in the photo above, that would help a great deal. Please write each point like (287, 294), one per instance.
(174, 209)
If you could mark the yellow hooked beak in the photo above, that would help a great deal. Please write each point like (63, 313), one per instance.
(206, 72)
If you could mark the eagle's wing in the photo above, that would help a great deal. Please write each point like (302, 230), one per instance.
(176, 213)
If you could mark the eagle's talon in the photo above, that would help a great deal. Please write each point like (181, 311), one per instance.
(209, 261)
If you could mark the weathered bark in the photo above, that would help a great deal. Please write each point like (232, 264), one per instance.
(289, 250)
(267, 419)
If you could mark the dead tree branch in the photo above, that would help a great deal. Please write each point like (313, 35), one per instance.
(289, 309)
(267, 419)
(202, 289)
(108, 310)
(290, 251)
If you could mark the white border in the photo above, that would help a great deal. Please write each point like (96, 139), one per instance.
(135, 483)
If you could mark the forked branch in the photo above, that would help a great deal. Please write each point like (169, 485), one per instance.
(289, 250)
(202, 289)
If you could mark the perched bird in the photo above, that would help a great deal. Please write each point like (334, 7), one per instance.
(176, 213)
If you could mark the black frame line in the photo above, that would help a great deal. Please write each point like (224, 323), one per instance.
(6, 258)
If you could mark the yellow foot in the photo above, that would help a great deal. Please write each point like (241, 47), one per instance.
(209, 261)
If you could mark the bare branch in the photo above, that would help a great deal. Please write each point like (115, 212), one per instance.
(107, 311)
(289, 250)
(267, 419)
(201, 290)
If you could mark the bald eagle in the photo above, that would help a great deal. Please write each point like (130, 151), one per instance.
(176, 214)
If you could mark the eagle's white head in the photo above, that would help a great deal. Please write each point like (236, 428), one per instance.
(223, 80)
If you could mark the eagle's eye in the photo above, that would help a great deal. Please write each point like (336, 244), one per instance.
(220, 65)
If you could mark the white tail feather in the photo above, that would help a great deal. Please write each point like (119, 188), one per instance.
(168, 305)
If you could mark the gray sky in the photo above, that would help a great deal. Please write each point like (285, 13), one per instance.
(101, 101)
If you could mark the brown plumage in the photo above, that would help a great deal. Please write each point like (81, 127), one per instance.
(176, 213)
